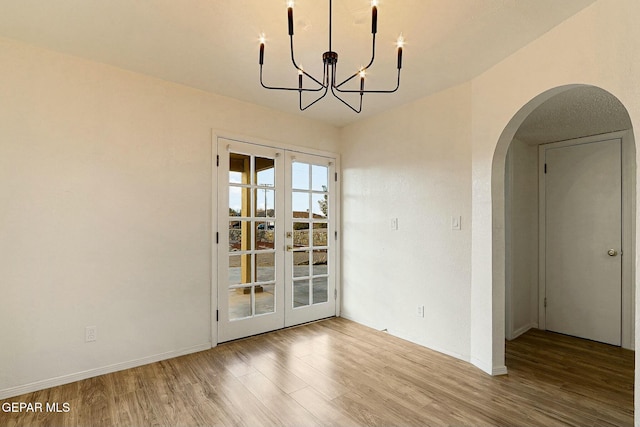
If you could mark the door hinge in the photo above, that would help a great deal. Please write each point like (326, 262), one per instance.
(336, 235)
(336, 176)
(545, 302)
(217, 315)
(545, 168)
(217, 237)
(335, 293)
(217, 160)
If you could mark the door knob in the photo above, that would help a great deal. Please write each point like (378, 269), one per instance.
(612, 252)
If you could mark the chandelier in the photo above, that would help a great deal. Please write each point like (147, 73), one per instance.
(330, 60)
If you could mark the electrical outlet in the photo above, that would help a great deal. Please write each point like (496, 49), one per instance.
(420, 311)
(90, 333)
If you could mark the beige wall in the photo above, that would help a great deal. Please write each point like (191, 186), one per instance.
(105, 213)
(521, 217)
(594, 47)
(413, 164)
(99, 164)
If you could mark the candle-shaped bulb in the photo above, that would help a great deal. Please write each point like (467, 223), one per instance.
(363, 74)
(374, 16)
(400, 44)
(262, 39)
(300, 72)
(290, 16)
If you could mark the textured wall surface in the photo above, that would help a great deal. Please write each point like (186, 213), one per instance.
(106, 182)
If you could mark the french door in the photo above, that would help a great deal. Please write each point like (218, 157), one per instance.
(276, 239)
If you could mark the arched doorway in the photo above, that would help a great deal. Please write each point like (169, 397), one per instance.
(562, 113)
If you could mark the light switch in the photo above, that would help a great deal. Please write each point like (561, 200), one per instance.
(456, 222)
(394, 223)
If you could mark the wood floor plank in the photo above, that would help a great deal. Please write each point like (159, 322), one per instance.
(323, 408)
(366, 410)
(359, 376)
(288, 411)
(337, 372)
(235, 405)
(307, 373)
(275, 371)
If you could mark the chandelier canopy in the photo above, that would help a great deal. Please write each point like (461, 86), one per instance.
(330, 61)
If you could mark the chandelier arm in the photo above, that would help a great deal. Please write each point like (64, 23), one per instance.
(371, 91)
(293, 59)
(333, 86)
(297, 67)
(314, 79)
(288, 88)
(346, 103)
(373, 57)
(318, 99)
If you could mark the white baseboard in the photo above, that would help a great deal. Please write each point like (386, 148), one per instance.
(491, 370)
(445, 352)
(523, 330)
(482, 365)
(499, 370)
(66, 379)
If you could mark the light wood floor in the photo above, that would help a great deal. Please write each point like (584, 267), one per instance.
(337, 372)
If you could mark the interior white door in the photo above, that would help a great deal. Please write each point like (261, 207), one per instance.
(311, 239)
(583, 223)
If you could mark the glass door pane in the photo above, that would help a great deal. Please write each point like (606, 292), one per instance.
(251, 292)
(310, 276)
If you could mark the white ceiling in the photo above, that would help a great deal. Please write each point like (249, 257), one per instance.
(213, 44)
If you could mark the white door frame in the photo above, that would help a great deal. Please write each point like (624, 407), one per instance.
(219, 134)
(628, 229)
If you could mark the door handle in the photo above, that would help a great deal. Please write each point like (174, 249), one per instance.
(612, 252)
